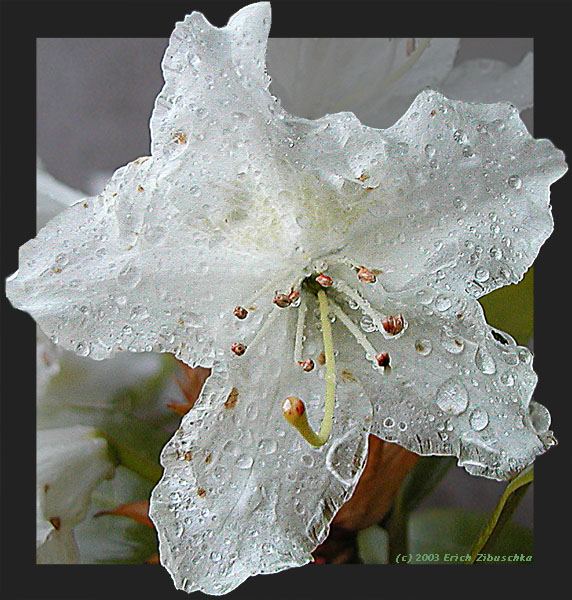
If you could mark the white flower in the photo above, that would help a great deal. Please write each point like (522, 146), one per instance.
(239, 200)
(377, 78)
(71, 463)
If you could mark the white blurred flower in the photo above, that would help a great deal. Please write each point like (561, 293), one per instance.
(71, 462)
(378, 78)
(379, 244)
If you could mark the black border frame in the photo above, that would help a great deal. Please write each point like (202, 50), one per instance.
(23, 21)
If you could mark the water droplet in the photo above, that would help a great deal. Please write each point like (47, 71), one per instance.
(389, 423)
(252, 411)
(479, 419)
(367, 324)
(452, 397)
(515, 182)
(129, 276)
(307, 460)
(442, 303)
(507, 379)
(267, 446)
(430, 150)
(244, 461)
(82, 349)
(482, 274)
(484, 361)
(460, 136)
(216, 556)
(423, 347)
(452, 343)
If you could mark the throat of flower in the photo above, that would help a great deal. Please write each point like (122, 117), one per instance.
(294, 409)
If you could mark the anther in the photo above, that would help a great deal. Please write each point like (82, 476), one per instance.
(293, 296)
(324, 280)
(382, 359)
(282, 300)
(238, 348)
(393, 324)
(366, 276)
(240, 312)
(307, 365)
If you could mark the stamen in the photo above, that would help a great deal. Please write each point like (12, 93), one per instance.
(382, 359)
(393, 324)
(307, 365)
(294, 409)
(364, 305)
(302, 310)
(294, 296)
(366, 276)
(267, 287)
(282, 300)
(324, 280)
(370, 351)
(240, 312)
(238, 348)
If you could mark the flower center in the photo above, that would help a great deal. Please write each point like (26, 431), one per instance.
(326, 289)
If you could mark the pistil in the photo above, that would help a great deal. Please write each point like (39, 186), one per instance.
(294, 409)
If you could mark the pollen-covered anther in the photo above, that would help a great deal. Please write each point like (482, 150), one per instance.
(393, 324)
(293, 409)
(282, 300)
(238, 348)
(382, 359)
(293, 296)
(307, 365)
(240, 312)
(324, 280)
(366, 276)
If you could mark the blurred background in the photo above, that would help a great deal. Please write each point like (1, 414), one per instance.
(94, 100)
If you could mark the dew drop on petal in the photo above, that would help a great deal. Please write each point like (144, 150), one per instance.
(484, 361)
(267, 446)
(423, 347)
(479, 419)
(82, 349)
(442, 303)
(452, 397)
(451, 343)
(515, 182)
(244, 461)
(482, 274)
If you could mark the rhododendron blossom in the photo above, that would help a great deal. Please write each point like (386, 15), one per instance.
(327, 272)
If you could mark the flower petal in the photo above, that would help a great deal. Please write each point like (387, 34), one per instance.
(461, 197)
(71, 462)
(456, 386)
(486, 80)
(316, 76)
(126, 271)
(59, 548)
(243, 493)
(52, 196)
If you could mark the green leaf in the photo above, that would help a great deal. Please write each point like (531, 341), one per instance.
(419, 483)
(373, 546)
(511, 308)
(504, 510)
(436, 533)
